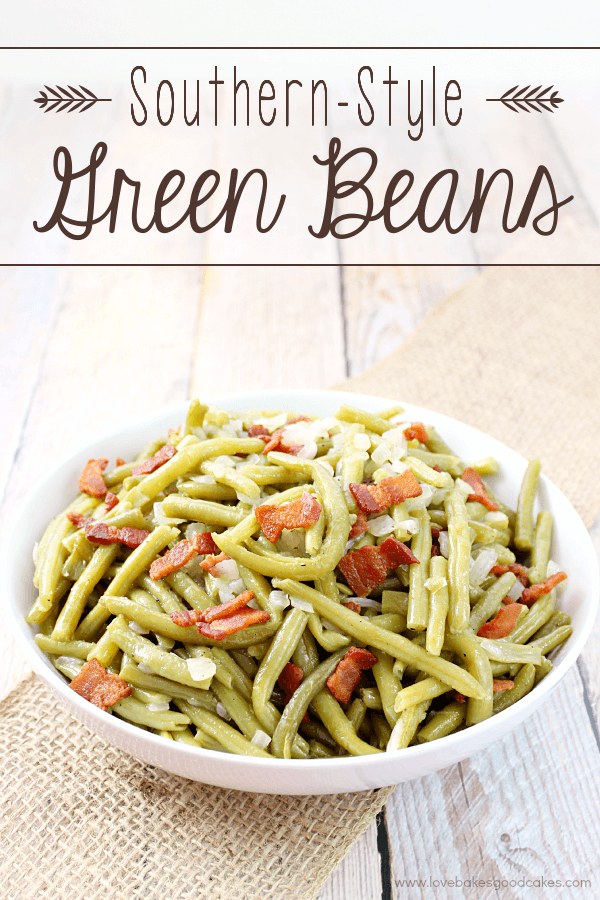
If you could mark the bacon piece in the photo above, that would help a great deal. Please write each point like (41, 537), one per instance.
(299, 513)
(479, 494)
(277, 440)
(531, 594)
(211, 561)
(172, 431)
(185, 617)
(520, 571)
(78, 520)
(289, 679)
(91, 480)
(502, 685)
(173, 559)
(223, 610)
(435, 532)
(416, 432)
(374, 498)
(460, 698)
(98, 686)
(353, 605)
(100, 533)
(503, 622)
(155, 462)
(368, 566)
(119, 461)
(435, 550)
(243, 619)
(259, 431)
(203, 543)
(111, 500)
(436, 468)
(359, 527)
(348, 671)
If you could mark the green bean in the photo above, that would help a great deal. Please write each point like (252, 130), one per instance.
(371, 698)
(507, 652)
(523, 684)
(317, 750)
(279, 653)
(406, 727)
(552, 640)
(201, 511)
(79, 649)
(524, 521)
(329, 640)
(557, 619)
(359, 627)
(140, 559)
(79, 557)
(394, 602)
(137, 712)
(371, 422)
(419, 692)
(505, 556)
(540, 554)
(296, 707)
(381, 730)
(418, 600)
(438, 605)
(220, 731)
(232, 478)
(388, 684)
(332, 716)
(391, 411)
(195, 416)
(458, 561)
(446, 461)
(314, 535)
(435, 443)
(332, 549)
(542, 670)
(486, 466)
(265, 474)
(187, 588)
(168, 599)
(132, 675)
(168, 665)
(122, 516)
(198, 491)
(162, 624)
(238, 708)
(239, 681)
(537, 616)
(72, 610)
(467, 646)
(443, 722)
(39, 614)
(106, 649)
(485, 534)
(50, 561)
(487, 607)
(428, 475)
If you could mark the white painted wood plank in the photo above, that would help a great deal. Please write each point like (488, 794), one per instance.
(525, 808)
(358, 876)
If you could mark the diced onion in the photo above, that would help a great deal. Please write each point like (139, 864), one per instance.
(308, 451)
(145, 669)
(279, 599)
(68, 661)
(444, 542)
(365, 602)
(480, 567)
(222, 712)
(225, 595)
(516, 590)
(226, 461)
(157, 707)
(201, 668)
(138, 629)
(463, 486)
(362, 441)
(272, 423)
(226, 569)
(399, 467)
(381, 454)
(199, 432)
(552, 568)
(195, 528)
(329, 626)
(36, 552)
(381, 525)
(302, 604)
(237, 586)
(411, 526)
(327, 466)
(261, 739)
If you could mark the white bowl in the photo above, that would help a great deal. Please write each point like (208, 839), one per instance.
(572, 549)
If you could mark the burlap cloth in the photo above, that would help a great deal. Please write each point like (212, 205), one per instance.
(516, 353)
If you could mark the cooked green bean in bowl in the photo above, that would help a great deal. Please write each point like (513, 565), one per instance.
(289, 586)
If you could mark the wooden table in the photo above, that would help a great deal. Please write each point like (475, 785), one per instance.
(83, 349)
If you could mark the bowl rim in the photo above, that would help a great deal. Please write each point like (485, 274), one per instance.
(87, 712)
